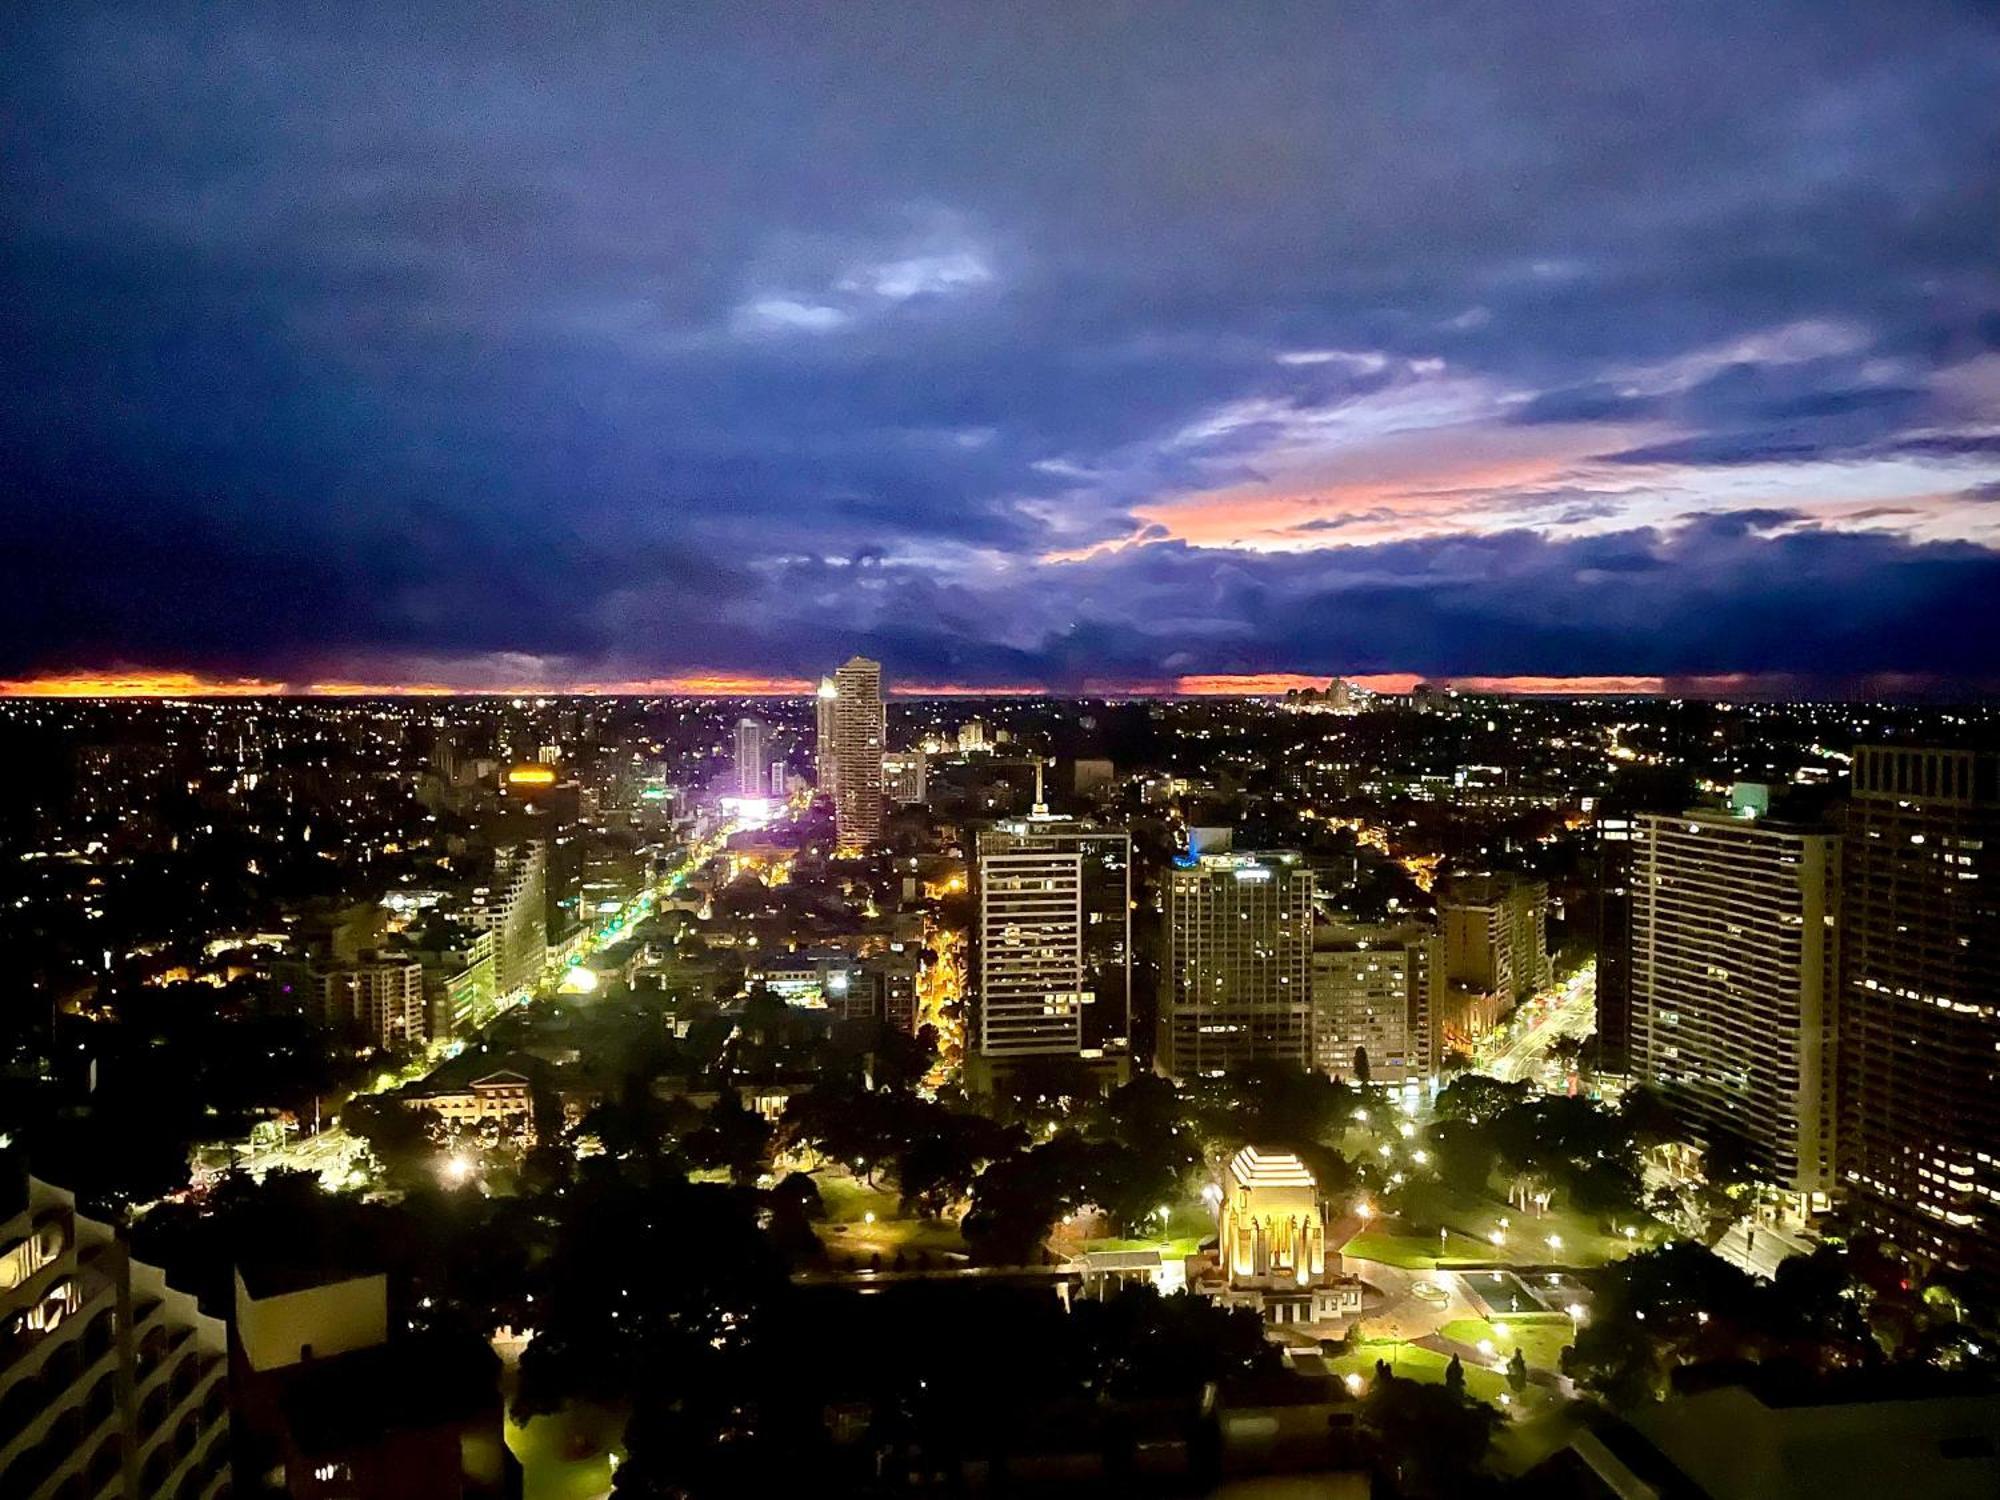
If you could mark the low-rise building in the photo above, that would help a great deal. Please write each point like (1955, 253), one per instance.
(1270, 1251)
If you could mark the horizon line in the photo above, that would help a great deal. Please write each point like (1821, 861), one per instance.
(139, 684)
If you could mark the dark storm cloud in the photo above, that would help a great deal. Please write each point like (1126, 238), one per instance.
(720, 335)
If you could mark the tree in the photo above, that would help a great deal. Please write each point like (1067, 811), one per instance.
(404, 1140)
(1517, 1371)
(733, 1138)
(1431, 1438)
(1454, 1377)
(1361, 1067)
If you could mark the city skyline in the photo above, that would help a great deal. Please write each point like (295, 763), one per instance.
(1103, 348)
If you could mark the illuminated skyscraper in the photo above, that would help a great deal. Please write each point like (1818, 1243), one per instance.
(1052, 966)
(516, 917)
(753, 770)
(1920, 1001)
(825, 767)
(860, 728)
(1735, 950)
(1237, 985)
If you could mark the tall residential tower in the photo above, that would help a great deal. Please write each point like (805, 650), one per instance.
(1920, 1000)
(1735, 952)
(1237, 984)
(860, 730)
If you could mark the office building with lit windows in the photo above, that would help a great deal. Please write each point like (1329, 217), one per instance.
(1085, 942)
(1237, 983)
(1920, 1001)
(1735, 957)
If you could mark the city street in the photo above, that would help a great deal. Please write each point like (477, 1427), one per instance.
(1570, 1011)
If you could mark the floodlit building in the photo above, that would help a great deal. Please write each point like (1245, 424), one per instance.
(113, 1383)
(1271, 1244)
(753, 769)
(1237, 984)
(860, 730)
(1735, 952)
(1920, 1003)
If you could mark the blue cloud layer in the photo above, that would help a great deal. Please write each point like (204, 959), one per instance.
(647, 337)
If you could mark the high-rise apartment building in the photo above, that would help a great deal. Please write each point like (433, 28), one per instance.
(114, 1384)
(382, 997)
(1613, 1039)
(1735, 953)
(826, 769)
(1369, 996)
(514, 912)
(1052, 962)
(1495, 930)
(1237, 984)
(1920, 1000)
(860, 730)
(753, 768)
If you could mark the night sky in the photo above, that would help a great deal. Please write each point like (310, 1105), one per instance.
(1076, 345)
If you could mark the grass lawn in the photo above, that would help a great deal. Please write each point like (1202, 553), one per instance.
(848, 1232)
(1541, 1338)
(1186, 1227)
(1470, 1222)
(566, 1455)
(1412, 1363)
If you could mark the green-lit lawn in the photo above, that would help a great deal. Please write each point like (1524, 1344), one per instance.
(1180, 1236)
(1540, 1338)
(848, 1233)
(1408, 1236)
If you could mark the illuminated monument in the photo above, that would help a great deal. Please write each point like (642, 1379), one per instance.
(1270, 1249)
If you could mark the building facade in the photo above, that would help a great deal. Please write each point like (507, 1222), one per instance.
(752, 766)
(1920, 1000)
(1735, 953)
(1613, 1040)
(516, 914)
(1270, 1250)
(1237, 984)
(860, 730)
(1495, 930)
(1369, 988)
(114, 1383)
(1028, 978)
(382, 998)
(905, 777)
